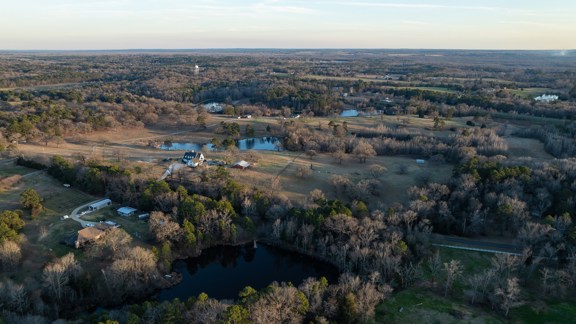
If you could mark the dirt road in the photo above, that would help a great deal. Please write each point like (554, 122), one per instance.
(75, 215)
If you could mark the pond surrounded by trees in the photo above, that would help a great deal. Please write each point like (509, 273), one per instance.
(223, 271)
(255, 143)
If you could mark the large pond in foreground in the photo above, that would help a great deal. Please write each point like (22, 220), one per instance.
(223, 271)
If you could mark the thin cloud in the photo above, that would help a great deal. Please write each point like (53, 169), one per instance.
(415, 6)
(527, 22)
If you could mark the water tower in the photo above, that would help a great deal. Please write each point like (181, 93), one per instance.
(196, 69)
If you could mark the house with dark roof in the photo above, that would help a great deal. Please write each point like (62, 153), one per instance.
(193, 159)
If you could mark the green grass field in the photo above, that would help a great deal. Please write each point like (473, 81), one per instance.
(138, 229)
(530, 93)
(545, 312)
(64, 201)
(423, 304)
(10, 170)
(416, 305)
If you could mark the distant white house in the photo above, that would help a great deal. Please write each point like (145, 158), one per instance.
(193, 159)
(546, 98)
(126, 211)
(100, 204)
(420, 161)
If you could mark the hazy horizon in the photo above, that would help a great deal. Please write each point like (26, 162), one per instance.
(281, 24)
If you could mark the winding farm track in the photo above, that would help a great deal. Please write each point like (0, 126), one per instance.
(75, 214)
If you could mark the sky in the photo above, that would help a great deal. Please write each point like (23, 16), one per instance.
(195, 24)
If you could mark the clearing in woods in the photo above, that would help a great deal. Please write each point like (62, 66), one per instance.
(402, 173)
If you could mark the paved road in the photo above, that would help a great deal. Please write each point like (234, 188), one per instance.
(475, 245)
(75, 215)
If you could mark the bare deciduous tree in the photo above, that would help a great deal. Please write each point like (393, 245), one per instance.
(434, 265)
(303, 172)
(508, 295)
(363, 150)
(10, 255)
(57, 275)
(453, 270)
(14, 297)
(377, 170)
(163, 227)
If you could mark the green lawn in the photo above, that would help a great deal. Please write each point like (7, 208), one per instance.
(64, 200)
(530, 92)
(435, 89)
(550, 312)
(138, 229)
(471, 261)
(424, 305)
(416, 305)
(10, 170)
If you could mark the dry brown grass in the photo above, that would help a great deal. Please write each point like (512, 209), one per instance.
(132, 145)
(527, 147)
(393, 184)
(9, 182)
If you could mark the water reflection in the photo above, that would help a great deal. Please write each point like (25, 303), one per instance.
(222, 272)
(255, 143)
(349, 113)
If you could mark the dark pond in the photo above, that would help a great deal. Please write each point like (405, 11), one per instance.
(223, 271)
(258, 143)
(349, 113)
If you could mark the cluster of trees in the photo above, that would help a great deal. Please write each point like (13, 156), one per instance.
(10, 224)
(217, 210)
(351, 300)
(66, 287)
(137, 91)
(489, 196)
(376, 249)
(45, 121)
(382, 140)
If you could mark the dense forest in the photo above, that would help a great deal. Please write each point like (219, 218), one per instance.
(473, 102)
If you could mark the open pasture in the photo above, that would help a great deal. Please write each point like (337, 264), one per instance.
(402, 173)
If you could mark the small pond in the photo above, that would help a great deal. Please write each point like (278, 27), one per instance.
(256, 143)
(349, 113)
(223, 271)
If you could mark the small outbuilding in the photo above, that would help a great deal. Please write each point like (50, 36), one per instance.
(241, 165)
(100, 204)
(126, 211)
(420, 161)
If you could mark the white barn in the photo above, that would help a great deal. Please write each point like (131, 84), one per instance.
(100, 204)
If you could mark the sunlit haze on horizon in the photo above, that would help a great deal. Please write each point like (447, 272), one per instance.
(179, 24)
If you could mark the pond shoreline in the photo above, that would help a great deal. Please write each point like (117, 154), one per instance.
(222, 271)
